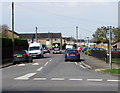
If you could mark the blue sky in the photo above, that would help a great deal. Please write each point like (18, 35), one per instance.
(61, 16)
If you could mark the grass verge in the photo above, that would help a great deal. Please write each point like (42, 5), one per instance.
(112, 71)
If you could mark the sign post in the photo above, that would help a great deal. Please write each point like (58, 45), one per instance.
(110, 35)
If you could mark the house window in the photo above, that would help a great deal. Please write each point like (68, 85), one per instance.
(55, 39)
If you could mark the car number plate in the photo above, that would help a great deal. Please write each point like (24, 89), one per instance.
(19, 56)
(72, 55)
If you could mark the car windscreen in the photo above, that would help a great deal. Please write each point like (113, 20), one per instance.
(72, 51)
(34, 48)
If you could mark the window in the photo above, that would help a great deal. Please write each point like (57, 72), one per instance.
(55, 39)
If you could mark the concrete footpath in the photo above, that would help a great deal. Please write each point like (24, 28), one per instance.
(94, 63)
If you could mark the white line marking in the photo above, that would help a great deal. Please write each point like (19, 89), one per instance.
(76, 63)
(114, 80)
(21, 65)
(75, 79)
(57, 79)
(86, 65)
(39, 78)
(35, 64)
(46, 63)
(25, 77)
(82, 66)
(39, 69)
(94, 80)
(50, 59)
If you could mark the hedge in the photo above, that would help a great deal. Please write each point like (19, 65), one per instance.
(17, 42)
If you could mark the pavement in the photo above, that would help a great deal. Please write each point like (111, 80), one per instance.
(94, 63)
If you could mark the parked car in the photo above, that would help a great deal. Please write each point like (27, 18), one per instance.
(72, 55)
(80, 49)
(22, 56)
(46, 50)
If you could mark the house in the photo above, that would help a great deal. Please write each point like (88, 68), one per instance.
(44, 38)
(116, 45)
(8, 33)
(68, 40)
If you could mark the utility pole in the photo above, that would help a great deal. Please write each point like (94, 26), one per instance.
(87, 41)
(36, 35)
(77, 35)
(13, 25)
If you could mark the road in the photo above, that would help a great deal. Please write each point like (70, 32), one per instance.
(53, 74)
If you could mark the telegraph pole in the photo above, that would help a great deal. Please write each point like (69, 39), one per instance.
(13, 25)
(36, 35)
(77, 35)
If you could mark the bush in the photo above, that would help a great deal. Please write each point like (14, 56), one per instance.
(20, 42)
(6, 42)
(88, 52)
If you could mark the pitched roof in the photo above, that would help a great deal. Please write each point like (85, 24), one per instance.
(41, 35)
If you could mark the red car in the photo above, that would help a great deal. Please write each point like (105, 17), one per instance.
(80, 48)
(46, 50)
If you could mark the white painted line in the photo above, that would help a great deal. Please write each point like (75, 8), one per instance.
(50, 59)
(39, 69)
(35, 64)
(57, 79)
(114, 80)
(21, 65)
(46, 63)
(75, 79)
(86, 65)
(82, 66)
(39, 78)
(25, 77)
(76, 63)
(94, 80)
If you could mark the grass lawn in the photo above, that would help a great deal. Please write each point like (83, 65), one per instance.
(112, 71)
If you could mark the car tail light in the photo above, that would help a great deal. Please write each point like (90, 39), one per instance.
(67, 53)
(77, 53)
(25, 54)
(14, 55)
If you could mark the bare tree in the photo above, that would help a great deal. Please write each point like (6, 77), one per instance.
(5, 27)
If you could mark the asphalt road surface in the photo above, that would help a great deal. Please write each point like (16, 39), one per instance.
(52, 73)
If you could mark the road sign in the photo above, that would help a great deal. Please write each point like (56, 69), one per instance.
(110, 35)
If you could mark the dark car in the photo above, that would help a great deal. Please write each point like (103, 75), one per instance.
(46, 50)
(72, 55)
(22, 56)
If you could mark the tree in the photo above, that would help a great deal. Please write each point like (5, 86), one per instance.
(100, 34)
(5, 27)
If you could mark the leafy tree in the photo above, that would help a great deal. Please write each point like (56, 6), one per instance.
(100, 34)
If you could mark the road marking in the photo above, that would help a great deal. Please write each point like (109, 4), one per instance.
(75, 79)
(39, 69)
(114, 80)
(94, 80)
(35, 64)
(57, 79)
(46, 63)
(82, 66)
(76, 63)
(21, 65)
(50, 59)
(39, 78)
(25, 77)
(86, 65)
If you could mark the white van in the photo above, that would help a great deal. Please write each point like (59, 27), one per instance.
(36, 50)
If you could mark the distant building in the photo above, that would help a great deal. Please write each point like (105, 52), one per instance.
(44, 38)
(116, 45)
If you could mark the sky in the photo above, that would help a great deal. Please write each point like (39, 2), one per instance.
(61, 16)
